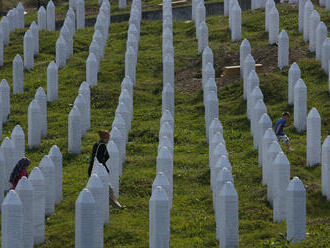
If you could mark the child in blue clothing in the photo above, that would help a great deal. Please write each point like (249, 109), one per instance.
(279, 126)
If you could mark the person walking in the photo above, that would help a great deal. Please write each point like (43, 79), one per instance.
(100, 152)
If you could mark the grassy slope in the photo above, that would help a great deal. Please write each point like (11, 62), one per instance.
(192, 217)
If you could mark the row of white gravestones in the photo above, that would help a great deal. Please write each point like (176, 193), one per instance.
(97, 46)
(25, 208)
(162, 188)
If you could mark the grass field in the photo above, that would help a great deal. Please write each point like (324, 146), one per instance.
(192, 216)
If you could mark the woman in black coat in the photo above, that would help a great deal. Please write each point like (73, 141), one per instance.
(100, 152)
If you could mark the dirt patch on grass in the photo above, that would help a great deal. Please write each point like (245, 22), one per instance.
(190, 78)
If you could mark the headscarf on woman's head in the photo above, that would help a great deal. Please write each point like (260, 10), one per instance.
(21, 164)
(104, 134)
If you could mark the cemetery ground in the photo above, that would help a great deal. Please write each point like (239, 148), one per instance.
(192, 216)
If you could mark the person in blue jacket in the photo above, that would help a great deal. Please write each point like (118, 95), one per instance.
(279, 129)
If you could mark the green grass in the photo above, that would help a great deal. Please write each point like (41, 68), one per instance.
(192, 217)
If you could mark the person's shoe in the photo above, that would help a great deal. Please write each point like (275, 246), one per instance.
(290, 149)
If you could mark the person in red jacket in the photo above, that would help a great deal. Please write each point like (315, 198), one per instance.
(19, 171)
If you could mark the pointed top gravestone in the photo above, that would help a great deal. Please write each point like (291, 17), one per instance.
(283, 49)
(245, 49)
(296, 211)
(18, 75)
(313, 138)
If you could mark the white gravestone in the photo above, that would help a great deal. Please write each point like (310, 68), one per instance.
(224, 175)
(325, 55)
(127, 99)
(274, 20)
(281, 178)
(52, 82)
(255, 96)
(208, 73)
(168, 98)
(130, 63)
(283, 49)
(167, 117)
(165, 164)
(56, 156)
(161, 180)
(325, 172)
(50, 16)
(82, 107)
(20, 13)
(273, 150)
(113, 164)
(34, 125)
(95, 186)
(327, 5)
(307, 12)
(211, 110)
(41, 99)
(5, 97)
(47, 168)
(5, 28)
(25, 190)
(159, 219)
(123, 110)
(219, 151)
(204, 37)
(209, 86)
(8, 150)
(294, 76)
(168, 70)
(28, 50)
(74, 131)
(321, 35)
(102, 173)
(296, 211)
(3, 177)
(313, 138)
(215, 127)
(18, 75)
(80, 14)
(314, 22)
(85, 91)
(1, 47)
(86, 221)
(18, 139)
(267, 140)
(253, 81)
(207, 57)
(35, 32)
(61, 52)
(39, 193)
(120, 123)
(12, 221)
(249, 65)
(270, 4)
(236, 31)
(228, 205)
(258, 110)
(300, 105)
(120, 141)
(264, 123)
(42, 18)
(91, 70)
(245, 49)
(65, 33)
